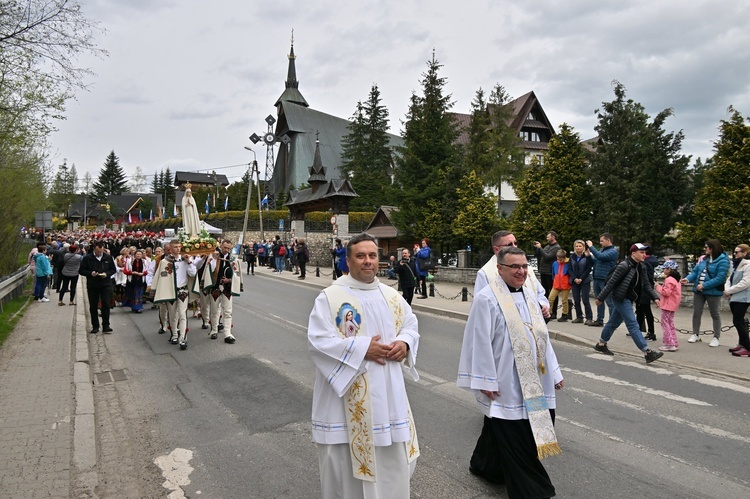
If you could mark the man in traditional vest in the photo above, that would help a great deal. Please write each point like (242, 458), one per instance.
(172, 281)
(159, 254)
(362, 337)
(509, 364)
(223, 276)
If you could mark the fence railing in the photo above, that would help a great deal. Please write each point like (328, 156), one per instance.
(12, 285)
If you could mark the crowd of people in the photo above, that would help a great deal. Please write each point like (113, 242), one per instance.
(363, 337)
(628, 288)
(131, 269)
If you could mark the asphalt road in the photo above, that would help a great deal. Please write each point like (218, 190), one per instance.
(243, 410)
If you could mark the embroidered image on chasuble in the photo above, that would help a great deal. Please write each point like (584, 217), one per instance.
(359, 402)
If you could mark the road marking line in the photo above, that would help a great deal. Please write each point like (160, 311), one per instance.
(709, 430)
(646, 367)
(636, 445)
(434, 379)
(641, 388)
(717, 383)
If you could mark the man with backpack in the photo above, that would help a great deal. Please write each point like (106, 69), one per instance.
(627, 285)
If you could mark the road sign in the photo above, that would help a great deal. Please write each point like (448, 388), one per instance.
(43, 220)
(281, 224)
(333, 220)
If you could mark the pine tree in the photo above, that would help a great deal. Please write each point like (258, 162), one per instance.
(476, 215)
(560, 185)
(60, 194)
(367, 155)
(508, 159)
(638, 176)
(111, 179)
(720, 211)
(168, 186)
(156, 183)
(427, 171)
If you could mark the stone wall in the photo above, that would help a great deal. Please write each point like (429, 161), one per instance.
(319, 244)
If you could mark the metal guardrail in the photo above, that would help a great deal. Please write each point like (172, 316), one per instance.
(12, 285)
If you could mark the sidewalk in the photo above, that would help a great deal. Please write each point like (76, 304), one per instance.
(47, 434)
(447, 302)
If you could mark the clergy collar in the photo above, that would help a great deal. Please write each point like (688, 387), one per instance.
(515, 290)
(351, 282)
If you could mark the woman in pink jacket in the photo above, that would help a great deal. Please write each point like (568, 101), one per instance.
(671, 294)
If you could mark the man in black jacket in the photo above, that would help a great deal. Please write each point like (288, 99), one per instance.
(98, 267)
(627, 284)
(545, 257)
(407, 271)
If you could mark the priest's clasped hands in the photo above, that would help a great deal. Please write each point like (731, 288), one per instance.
(380, 352)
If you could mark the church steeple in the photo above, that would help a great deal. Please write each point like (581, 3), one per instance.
(291, 93)
(317, 170)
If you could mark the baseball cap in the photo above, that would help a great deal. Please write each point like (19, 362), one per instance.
(638, 247)
(670, 264)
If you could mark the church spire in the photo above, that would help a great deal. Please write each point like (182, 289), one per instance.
(317, 170)
(291, 93)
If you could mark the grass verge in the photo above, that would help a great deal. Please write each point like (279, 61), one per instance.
(10, 315)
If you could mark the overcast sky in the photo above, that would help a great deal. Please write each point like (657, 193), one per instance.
(187, 81)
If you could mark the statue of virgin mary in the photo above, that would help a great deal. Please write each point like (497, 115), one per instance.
(190, 219)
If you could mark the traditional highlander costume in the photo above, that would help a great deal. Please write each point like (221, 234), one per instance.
(172, 284)
(226, 267)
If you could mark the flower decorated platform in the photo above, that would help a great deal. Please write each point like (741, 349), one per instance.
(201, 244)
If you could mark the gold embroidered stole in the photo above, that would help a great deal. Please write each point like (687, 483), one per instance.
(528, 365)
(358, 400)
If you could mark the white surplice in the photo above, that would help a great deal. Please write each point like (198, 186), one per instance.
(487, 361)
(338, 361)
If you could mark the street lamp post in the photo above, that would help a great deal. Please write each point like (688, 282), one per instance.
(247, 209)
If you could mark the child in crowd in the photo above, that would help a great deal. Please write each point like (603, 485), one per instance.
(671, 294)
(560, 283)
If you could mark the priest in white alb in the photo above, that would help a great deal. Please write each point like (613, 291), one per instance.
(361, 419)
(509, 364)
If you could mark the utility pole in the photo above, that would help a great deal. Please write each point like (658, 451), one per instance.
(256, 171)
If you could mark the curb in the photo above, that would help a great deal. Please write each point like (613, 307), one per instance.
(84, 430)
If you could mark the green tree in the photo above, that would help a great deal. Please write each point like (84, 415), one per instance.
(555, 195)
(111, 179)
(428, 170)
(168, 186)
(62, 191)
(367, 155)
(476, 216)
(720, 210)
(638, 176)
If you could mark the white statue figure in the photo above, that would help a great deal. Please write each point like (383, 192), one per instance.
(190, 219)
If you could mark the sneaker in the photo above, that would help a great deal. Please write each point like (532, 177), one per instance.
(742, 353)
(673, 348)
(665, 348)
(714, 342)
(602, 349)
(563, 318)
(694, 338)
(652, 356)
(44, 300)
(588, 322)
(576, 321)
(734, 349)
(597, 324)
(651, 336)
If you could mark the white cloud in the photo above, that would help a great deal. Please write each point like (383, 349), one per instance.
(188, 81)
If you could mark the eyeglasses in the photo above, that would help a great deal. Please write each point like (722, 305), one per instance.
(735, 252)
(516, 266)
(511, 244)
